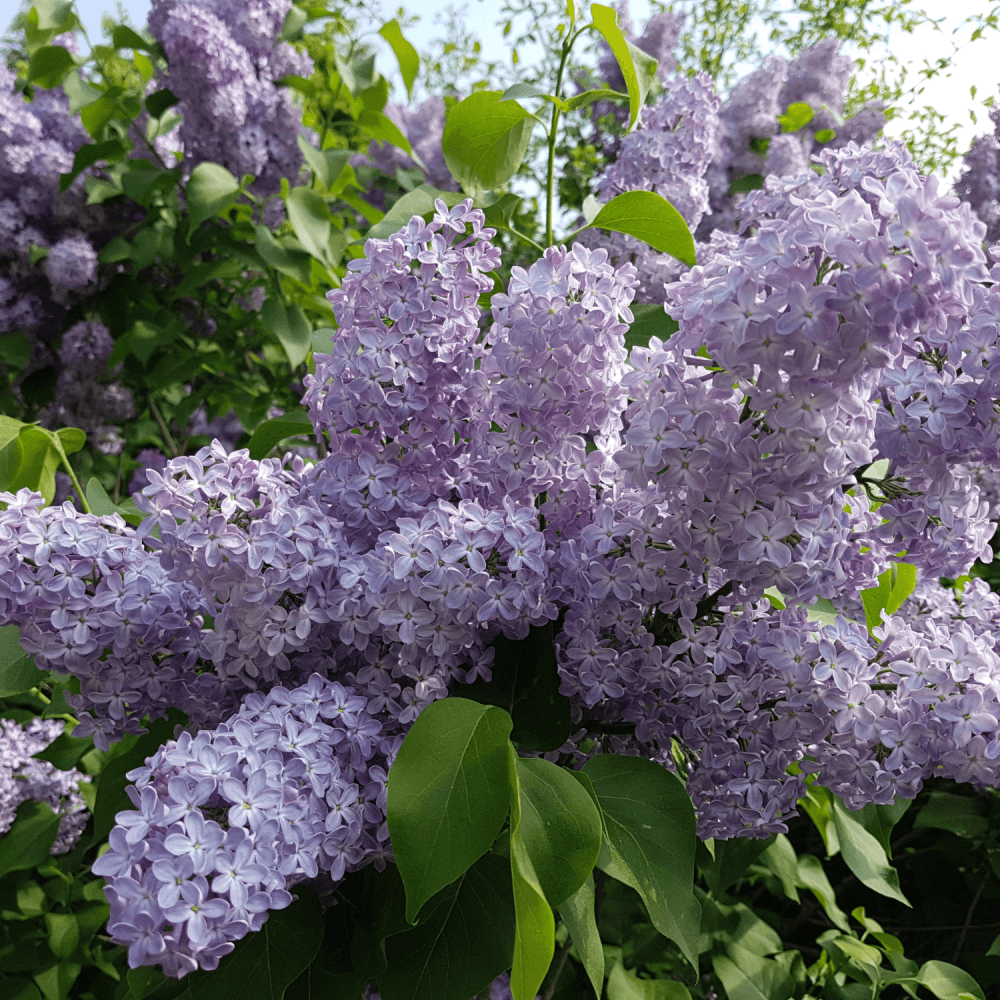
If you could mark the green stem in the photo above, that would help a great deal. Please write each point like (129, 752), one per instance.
(168, 440)
(72, 475)
(553, 134)
(557, 971)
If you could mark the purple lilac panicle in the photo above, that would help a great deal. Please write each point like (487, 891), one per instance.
(23, 778)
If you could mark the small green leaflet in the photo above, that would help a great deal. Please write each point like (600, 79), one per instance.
(797, 116)
(406, 54)
(894, 586)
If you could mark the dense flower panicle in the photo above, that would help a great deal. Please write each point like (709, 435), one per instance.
(84, 397)
(227, 821)
(23, 779)
(224, 63)
(669, 152)
(979, 182)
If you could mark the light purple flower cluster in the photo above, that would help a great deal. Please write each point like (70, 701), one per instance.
(84, 397)
(670, 152)
(423, 128)
(38, 138)
(224, 63)
(226, 821)
(22, 779)
(979, 182)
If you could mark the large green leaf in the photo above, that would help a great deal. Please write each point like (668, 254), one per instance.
(747, 976)
(651, 218)
(879, 820)
(290, 326)
(579, 915)
(649, 320)
(327, 164)
(812, 876)
(18, 672)
(559, 826)
(463, 942)
(39, 462)
(49, 65)
(525, 684)
(732, 859)
(310, 218)
(419, 201)
(210, 191)
(864, 855)
(272, 432)
(894, 586)
(28, 842)
(406, 54)
(650, 829)
(948, 982)
(449, 794)
(292, 259)
(101, 504)
(262, 965)
(535, 928)
(485, 140)
(638, 68)
(957, 813)
(623, 985)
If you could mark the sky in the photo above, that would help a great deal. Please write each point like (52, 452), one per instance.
(950, 93)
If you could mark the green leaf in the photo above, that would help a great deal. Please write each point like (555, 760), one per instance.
(111, 797)
(650, 841)
(780, 859)
(747, 976)
(262, 965)
(88, 155)
(273, 431)
(534, 934)
(64, 752)
(797, 116)
(650, 320)
(864, 855)
(879, 820)
(210, 191)
(825, 135)
(291, 260)
(812, 876)
(525, 684)
(651, 218)
(589, 96)
(406, 54)
(894, 586)
(521, 91)
(295, 21)
(72, 439)
(48, 65)
(157, 103)
(380, 127)
(28, 842)
(957, 813)
(18, 672)
(327, 164)
(64, 933)
(463, 942)
(310, 218)
(623, 985)
(748, 182)
(102, 505)
(290, 326)
(39, 461)
(638, 68)
(579, 915)
(449, 794)
(732, 859)
(485, 141)
(123, 37)
(948, 982)
(559, 826)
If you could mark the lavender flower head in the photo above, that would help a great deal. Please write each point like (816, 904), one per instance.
(23, 778)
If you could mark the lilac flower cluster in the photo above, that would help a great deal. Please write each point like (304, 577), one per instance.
(227, 821)
(979, 182)
(38, 138)
(818, 414)
(23, 779)
(83, 396)
(670, 152)
(224, 63)
(423, 128)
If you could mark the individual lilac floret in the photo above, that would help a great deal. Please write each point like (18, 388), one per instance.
(22, 778)
(227, 821)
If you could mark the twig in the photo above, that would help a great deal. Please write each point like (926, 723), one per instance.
(168, 440)
(558, 971)
(968, 918)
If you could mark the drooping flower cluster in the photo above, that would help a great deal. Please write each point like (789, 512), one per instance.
(83, 396)
(224, 63)
(979, 182)
(230, 819)
(23, 779)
